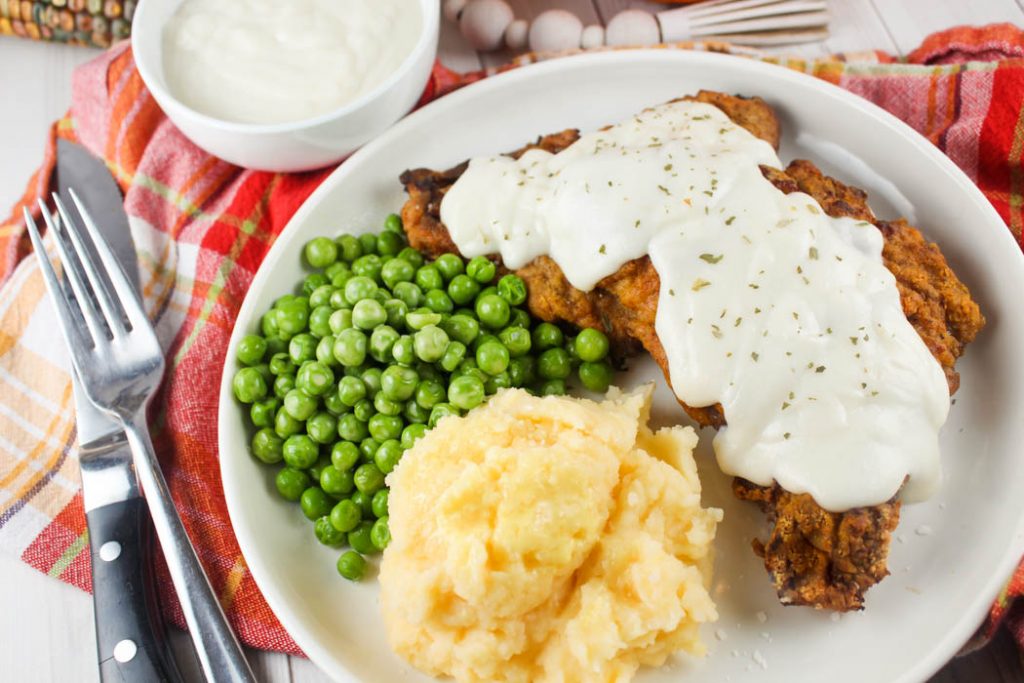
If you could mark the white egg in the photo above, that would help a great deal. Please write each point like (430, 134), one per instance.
(452, 9)
(632, 27)
(483, 23)
(593, 36)
(555, 29)
(515, 34)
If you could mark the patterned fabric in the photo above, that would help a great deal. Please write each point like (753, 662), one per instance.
(96, 23)
(202, 227)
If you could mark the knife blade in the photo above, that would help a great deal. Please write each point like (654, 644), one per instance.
(130, 639)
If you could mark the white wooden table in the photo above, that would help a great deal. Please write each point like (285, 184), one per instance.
(46, 631)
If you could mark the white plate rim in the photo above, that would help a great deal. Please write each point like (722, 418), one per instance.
(940, 652)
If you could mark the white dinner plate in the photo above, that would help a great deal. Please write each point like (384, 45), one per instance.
(949, 556)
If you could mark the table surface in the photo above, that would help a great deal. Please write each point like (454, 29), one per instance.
(46, 630)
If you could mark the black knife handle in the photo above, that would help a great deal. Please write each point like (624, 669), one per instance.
(129, 632)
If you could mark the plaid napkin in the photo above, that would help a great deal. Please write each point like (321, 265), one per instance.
(202, 227)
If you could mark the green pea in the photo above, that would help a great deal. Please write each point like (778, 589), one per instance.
(250, 349)
(368, 314)
(336, 482)
(422, 317)
(500, 381)
(398, 383)
(385, 405)
(413, 432)
(369, 243)
(396, 310)
(414, 413)
(463, 289)
(344, 455)
(596, 376)
(364, 410)
(461, 328)
(428, 372)
(321, 296)
(364, 501)
(312, 282)
(322, 427)
(345, 516)
(292, 317)
(300, 451)
(338, 281)
(449, 265)
(351, 390)
(437, 301)
(291, 482)
(368, 447)
(390, 243)
(517, 340)
(351, 565)
(591, 345)
(371, 378)
(379, 504)
(368, 478)
(352, 428)
(325, 352)
(553, 387)
(383, 427)
(314, 378)
(440, 411)
(317, 468)
(267, 446)
(481, 269)
(512, 289)
(492, 357)
(368, 265)
(338, 301)
(358, 288)
(337, 268)
(349, 247)
(359, 539)
(387, 456)
(465, 392)
(429, 393)
(483, 339)
(319, 321)
(299, 405)
(350, 347)
(403, 350)
(262, 412)
(283, 384)
(546, 336)
(268, 324)
(554, 364)
(453, 356)
(285, 425)
(340, 321)
(275, 345)
(301, 348)
(519, 318)
(521, 371)
(315, 503)
(412, 256)
(333, 404)
(326, 533)
(429, 277)
(409, 293)
(430, 343)
(321, 252)
(493, 311)
(380, 534)
(393, 223)
(249, 385)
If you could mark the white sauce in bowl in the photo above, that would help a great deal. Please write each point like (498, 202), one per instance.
(784, 315)
(268, 61)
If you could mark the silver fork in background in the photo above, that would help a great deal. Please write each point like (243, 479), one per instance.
(118, 358)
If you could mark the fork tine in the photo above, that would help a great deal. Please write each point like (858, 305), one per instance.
(73, 275)
(123, 288)
(111, 310)
(72, 330)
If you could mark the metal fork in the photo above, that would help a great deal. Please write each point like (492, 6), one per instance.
(119, 360)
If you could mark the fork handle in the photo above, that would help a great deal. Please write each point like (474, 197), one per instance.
(130, 638)
(217, 649)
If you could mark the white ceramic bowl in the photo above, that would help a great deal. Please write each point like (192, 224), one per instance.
(951, 554)
(294, 146)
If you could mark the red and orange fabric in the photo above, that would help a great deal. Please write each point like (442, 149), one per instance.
(202, 227)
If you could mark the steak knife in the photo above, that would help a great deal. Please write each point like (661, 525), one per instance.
(130, 638)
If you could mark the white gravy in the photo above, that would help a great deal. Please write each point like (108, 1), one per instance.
(268, 61)
(785, 316)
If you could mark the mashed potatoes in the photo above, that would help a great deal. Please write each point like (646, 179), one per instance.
(547, 539)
